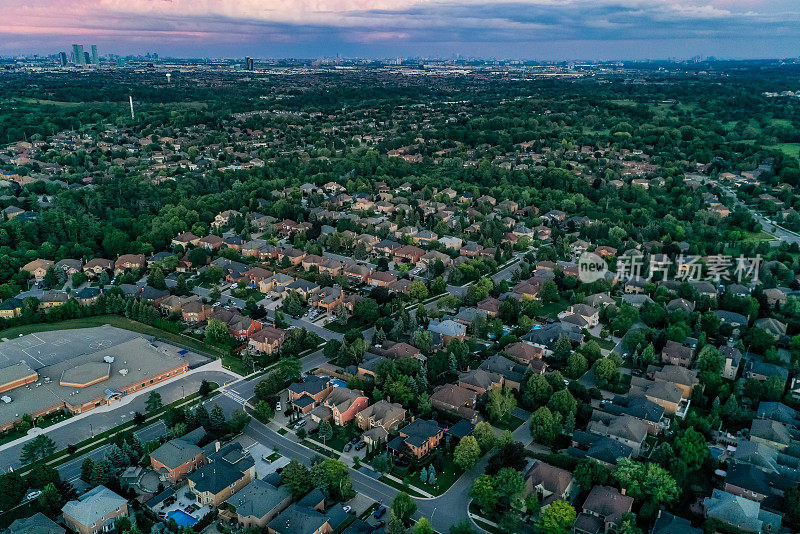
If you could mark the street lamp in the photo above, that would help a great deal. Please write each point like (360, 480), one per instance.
(183, 393)
(91, 429)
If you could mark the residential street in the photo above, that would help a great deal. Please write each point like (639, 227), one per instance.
(99, 420)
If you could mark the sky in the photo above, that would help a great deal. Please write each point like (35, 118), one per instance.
(507, 29)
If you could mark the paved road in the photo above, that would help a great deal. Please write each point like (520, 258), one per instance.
(443, 511)
(506, 272)
(71, 471)
(234, 396)
(99, 421)
(781, 233)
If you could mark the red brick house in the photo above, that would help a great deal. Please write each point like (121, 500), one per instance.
(408, 254)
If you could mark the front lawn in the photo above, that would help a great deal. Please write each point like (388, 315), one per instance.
(235, 364)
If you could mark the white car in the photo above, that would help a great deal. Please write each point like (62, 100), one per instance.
(347, 509)
(278, 407)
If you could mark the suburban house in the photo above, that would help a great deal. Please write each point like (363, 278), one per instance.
(446, 331)
(340, 406)
(309, 393)
(267, 340)
(97, 266)
(740, 513)
(384, 414)
(513, 373)
(230, 468)
(304, 516)
(37, 268)
(480, 380)
(676, 354)
(178, 457)
(550, 483)
(524, 352)
(589, 314)
(36, 524)
(259, 502)
(455, 400)
(626, 429)
(95, 511)
(602, 511)
(666, 523)
(408, 254)
(129, 262)
(416, 439)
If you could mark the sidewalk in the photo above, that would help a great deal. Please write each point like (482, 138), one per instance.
(214, 365)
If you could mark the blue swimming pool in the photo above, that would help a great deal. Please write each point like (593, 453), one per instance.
(182, 518)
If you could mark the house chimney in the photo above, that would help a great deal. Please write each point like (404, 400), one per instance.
(216, 446)
(622, 491)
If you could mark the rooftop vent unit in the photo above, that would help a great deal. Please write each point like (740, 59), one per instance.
(6, 399)
(108, 359)
(123, 372)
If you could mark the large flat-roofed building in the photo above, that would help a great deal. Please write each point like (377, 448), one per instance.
(16, 375)
(86, 381)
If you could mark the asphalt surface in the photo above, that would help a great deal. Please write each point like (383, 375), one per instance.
(99, 421)
(781, 233)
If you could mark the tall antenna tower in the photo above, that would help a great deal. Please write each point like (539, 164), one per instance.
(130, 97)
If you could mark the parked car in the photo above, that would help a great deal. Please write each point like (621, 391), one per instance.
(379, 512)
(348, 447)
(354, 440)
(347, 509)
(278, 407)
(300, 423)
(360, 445)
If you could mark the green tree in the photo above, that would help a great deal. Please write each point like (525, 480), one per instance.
(462, 527)
(548, 292)
(263, 411)
(403, 506)
(297, 477)
(588, 473)
(417, 290)
(333, 478)
(500, 403)
(562, 348)
(290, 368)
(484, 435)
(293, 304)
(50, 500)
(544, 425)
(483, 492)
(36, 449)
(576, 365)
(467, 452)
(509, 485)
(557, 518)
(563, 402)
(12, 490)
(537, 390)
(217, 333)
(647, 481)
(325, 431)
(423, 526)
(692, 448)
(153, 402)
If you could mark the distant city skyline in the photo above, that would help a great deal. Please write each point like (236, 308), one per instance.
(512, 29)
